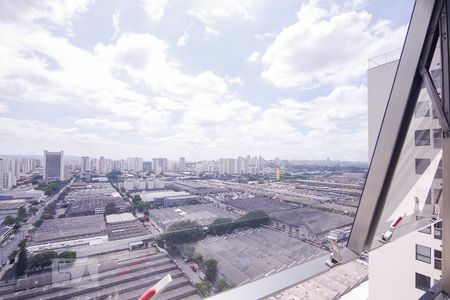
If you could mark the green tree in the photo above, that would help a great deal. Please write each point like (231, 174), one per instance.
(22, 262)
(221, 285)
(9, 220)
(42, 260)
(198, 259)
(68, 254)
(12, 256)
(22, 214)
(204, 288)
(221, 226)
(137, 199)
(183, 232)
(111, 209)
(253, 219)
(211, 269)
(38, 223)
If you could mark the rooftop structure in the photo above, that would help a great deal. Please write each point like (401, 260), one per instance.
(259, 203)
(125, 230)
(118, 218)
(314, 221)
(69, 228)
(329, 285)
(152, 196)
(204, 214)
(131, 274)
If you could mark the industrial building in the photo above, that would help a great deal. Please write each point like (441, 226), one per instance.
(68, 232)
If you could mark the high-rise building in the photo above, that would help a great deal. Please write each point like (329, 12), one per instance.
(85, 164)
(135, 164)
(102, 165)
(415, 259)
(159, 165)
(227, 166)
(182, 165)
(118, 165)
(147, 166)
(53, 165)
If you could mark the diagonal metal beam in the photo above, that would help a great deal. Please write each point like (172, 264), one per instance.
(435, 99)
(419, 46)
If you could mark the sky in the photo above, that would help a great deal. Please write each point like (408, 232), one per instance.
(203, 79)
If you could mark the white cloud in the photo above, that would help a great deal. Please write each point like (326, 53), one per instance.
(155, 8)
(211, 31)
(104, 124)
(254, 57)
(116, 23)
(131, 88)
(60, 12)
(265, 35)
(211, 12)
(3, 108)
(182, 40)
(327, 45)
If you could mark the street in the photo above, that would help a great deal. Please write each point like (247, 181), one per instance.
(12, 245)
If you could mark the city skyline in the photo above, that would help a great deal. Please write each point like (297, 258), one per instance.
(133, 86)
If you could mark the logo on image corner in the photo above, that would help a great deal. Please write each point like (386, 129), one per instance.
(70, 272)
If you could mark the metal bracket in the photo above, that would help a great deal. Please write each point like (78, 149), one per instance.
(435, 99)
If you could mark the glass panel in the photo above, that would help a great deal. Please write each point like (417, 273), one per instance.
(423, 253)
(426, 230)
(438, 230)
(417, 178)
(422, 137)
(422, 282)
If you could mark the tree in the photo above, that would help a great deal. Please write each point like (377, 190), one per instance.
(198, 259)
(111, 209)
(183, 232)
(211, 269)
(68, 254)
(254, 219)
(221, 285)
(136, 199)
(38, 223)
(221, 226)
(204, 288)
(22, 262)
(12, 256)
(22, 214)
(9, 220)
(42, 260)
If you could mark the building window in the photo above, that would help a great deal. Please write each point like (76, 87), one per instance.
(422, 110)
(422, 137)
(438, 230)
(426, 230)
(436, 194)
(423, 254)
(422, 164)
(422, 282)
(438, 174)
(438, 259)
(437, 138)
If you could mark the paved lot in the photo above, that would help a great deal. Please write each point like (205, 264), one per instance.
(251, 254)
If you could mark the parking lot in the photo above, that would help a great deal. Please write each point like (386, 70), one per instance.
(251, 254)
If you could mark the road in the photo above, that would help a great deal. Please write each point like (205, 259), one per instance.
(7, 249)
(194, 277)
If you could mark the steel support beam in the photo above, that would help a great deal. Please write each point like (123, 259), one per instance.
(419, 47)
(435, 99)
(445, 203)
